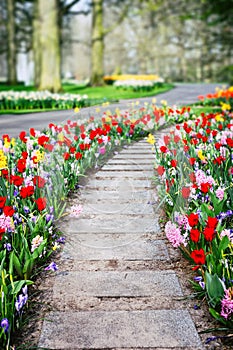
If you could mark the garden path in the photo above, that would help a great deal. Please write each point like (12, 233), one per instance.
(115, 288)
(181, 94)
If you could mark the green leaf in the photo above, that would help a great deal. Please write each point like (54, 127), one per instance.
(27, 269)
(18, 285)
(217, 316)
(214, 288)
(11, 264)
(223, 244)
(17, 265)
(3, 257)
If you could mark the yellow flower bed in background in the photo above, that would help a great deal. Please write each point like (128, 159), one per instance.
(112, 78)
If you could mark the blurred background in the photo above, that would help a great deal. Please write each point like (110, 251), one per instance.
(45, 42)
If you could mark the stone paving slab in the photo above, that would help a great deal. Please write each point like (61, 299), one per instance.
(115, 284)
(139, 147)
(122, 161)
(133, 195)
(120, 224)
(119, 184)
(140, 151)
(112, 207)
(133, 156)
(131, 247)
(135, 166)
(122, 174)
(119, 329)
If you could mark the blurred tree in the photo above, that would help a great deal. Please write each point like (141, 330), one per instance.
(49, 55)
(11, 43)
(220, 10)
(99, 31)
(97, 44)
(47, 41)
(36, 45)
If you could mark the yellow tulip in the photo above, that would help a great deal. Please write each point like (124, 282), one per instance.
(200, 155)
(151, 139)
(219, 118)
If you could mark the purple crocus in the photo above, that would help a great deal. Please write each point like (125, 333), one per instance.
(49, 217)
(52, 267)
(26, 209)
(22, 299)
(197, 278)
(61, 240)
(5, 324)
(20, 302)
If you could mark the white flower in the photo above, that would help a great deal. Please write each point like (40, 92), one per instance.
(36, 242)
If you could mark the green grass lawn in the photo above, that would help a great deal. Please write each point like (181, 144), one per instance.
(111, 93)
(96, 95)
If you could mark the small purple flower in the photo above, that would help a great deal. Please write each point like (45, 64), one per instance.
(196, 307)
(21, 301)
(34, 218)
(25, 290)
(8, 246)
(52, 267)
(61, 240)
(49, 217)
(202, 284)
(210, 339)
(26, 210)
(5, 324)
(198, 278)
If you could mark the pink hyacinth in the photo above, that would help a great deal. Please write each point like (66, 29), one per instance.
(226, 233)
(220, 193)
(102, 150)
(227, 303)
(6, 222)
(201, 177)
(173, 234)
(76, 210)
(182, 221)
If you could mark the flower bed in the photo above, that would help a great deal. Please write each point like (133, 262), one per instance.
(12, 100)
(195, 165)
(137, 85)
(222, 97)
(144, 82)
(37, 171)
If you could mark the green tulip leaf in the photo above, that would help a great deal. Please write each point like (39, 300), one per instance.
(214, 288)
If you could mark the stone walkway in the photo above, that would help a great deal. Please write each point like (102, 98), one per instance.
(113, 290)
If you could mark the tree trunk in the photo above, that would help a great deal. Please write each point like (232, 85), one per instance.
(97, 50)
(50, 55)
(36, 46)
(11, 45)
